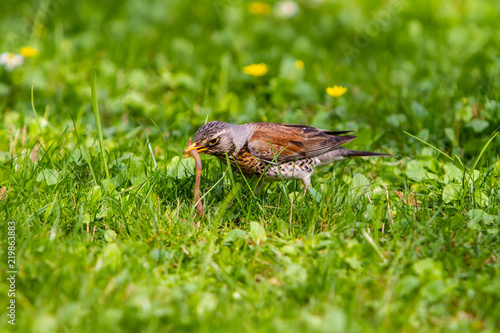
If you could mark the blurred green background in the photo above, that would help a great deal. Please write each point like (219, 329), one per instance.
(408, 244)
(421, 66)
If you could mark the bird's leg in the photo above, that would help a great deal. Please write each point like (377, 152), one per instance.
(307, 182)
(260, 182)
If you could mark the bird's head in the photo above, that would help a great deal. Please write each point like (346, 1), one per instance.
(214, 138)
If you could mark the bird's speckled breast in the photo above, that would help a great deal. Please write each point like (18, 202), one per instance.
(245, 163)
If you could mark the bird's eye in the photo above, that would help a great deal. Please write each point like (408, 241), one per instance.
(213, 141)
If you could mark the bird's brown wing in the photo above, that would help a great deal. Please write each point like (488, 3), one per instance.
(282, 142)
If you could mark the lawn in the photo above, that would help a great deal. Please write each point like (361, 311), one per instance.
(105, 235)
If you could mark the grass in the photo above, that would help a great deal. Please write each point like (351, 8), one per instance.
(92, 173)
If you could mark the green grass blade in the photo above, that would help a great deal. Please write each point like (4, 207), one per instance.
(95, 108)
(484, 149)
(34, 111)
(374, 246)
(428, 144)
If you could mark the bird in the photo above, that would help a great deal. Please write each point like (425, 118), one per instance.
(274, 151)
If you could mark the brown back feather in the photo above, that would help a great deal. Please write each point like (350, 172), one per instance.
(284, 142)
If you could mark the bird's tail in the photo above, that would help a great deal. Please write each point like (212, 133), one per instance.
(360, 153)
(342, 153)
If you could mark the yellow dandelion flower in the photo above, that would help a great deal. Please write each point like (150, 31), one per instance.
(28, 52)
(256, 69)
(299, 64)
(336, 91)
(259, 8)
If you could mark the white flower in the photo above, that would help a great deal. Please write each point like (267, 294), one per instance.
(11, 60)
(286, 9)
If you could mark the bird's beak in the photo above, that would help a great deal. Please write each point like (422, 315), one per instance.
(194, 146)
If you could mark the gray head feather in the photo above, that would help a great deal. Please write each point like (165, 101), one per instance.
(218, 137)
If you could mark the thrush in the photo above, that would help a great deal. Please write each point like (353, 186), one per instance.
(274, 151)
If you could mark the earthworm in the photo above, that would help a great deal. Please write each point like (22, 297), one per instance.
(196, 156)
